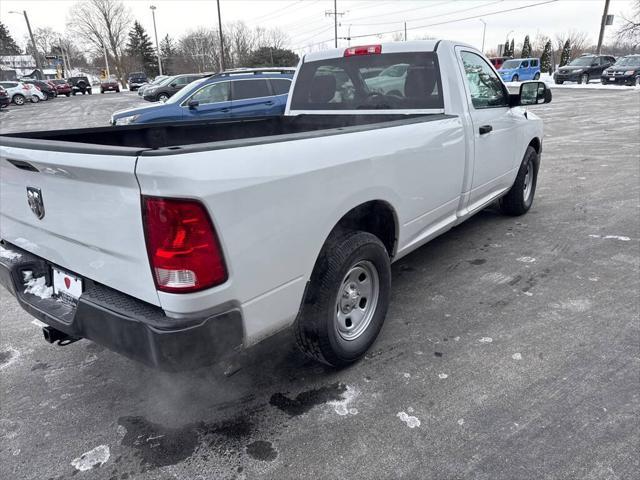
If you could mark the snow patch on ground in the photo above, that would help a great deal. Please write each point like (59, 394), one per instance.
(14, 354)
(486, 340)
(38, 287)
(442, 376)
(88, 460)
(8, 254)
(410, 420)
(622, 238)
(526, 259)
(517, 356)
(461, 421)
(496, 277)
(579, 305)
(342, 407)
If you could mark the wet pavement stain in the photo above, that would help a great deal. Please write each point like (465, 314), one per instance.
(305, 401)
(477, 261)
(39, 366)
(262, 450)
(5, 357)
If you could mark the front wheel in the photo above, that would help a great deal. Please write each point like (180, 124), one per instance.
(67, 94)
(637, 81)
(163, 97)
(584, 78)
(559, 82)
(347, 298)
(519, 198)
(515, 78)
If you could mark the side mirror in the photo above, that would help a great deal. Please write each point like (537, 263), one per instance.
(174, 85)
(594, 64)
(532, 93)
(193, 103)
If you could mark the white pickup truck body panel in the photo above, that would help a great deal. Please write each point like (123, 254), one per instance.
(273, 204)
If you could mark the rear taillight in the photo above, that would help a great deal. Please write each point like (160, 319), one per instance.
(363, 50)
(183, 247)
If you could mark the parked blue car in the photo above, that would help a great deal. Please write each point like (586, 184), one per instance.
(520, 69)
(231, 94)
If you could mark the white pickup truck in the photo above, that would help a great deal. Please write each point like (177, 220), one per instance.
(174, 243)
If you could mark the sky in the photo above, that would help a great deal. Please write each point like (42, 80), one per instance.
(309, 27)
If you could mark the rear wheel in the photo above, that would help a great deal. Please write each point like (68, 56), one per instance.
(637, 81)
(34, 99)
(68, 94)
(519, 198)
(559, 82)
(347, 298)
(536, 76)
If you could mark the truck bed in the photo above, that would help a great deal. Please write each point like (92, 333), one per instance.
(171, 138)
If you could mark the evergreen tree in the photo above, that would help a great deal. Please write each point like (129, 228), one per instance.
(141, 51)
(505, 50)
(545, 58)
(272, 57)
(8, 45)
(526, 48)
(512, 49)
(168, 52)
(565, 56)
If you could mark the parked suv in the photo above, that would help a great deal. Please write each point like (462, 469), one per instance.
(4, 98)
(136, 80)
(18, 92)
(165, 90)
(231, 94)
(109, 85)
(62, 87)
(80, 85)
(44, 87)
(583, 68)
(625, 71)
(519, 69)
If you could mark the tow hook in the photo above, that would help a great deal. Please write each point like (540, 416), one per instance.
(52, 335)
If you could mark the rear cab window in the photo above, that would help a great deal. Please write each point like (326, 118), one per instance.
(392, 81)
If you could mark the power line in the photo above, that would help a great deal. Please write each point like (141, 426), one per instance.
(456, 20)
(404, 11)
(276, 12)
(433, 16)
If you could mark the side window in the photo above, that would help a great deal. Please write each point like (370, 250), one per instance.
(524, 64)
(181, 81)
(280, 86)
(243, 89)
(484, 85)
(213, 93)
(534, 63)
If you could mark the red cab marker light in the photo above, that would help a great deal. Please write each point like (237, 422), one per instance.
(363, 50)
(183, 247)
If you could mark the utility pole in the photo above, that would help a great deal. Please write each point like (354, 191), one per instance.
(602, 25)
(221, 39)
(106, 59)
(484, 30)
(155, 32)
(33, 42)
(405, 31)
(335, 14)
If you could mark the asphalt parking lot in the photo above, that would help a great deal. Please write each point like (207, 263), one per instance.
(510, 350)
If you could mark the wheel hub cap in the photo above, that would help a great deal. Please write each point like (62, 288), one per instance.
(357, 300)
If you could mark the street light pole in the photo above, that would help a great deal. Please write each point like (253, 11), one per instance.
(33, 42)
(484, 31)
(155, 32)
(602, 25)
(221, 38)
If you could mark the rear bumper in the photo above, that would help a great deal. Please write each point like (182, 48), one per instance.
(122, 323)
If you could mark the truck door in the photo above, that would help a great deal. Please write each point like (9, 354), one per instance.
(494, 128)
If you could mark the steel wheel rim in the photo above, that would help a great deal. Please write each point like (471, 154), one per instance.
(357, 300)
(528, 181)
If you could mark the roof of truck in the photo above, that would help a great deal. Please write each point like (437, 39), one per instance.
(389, 47)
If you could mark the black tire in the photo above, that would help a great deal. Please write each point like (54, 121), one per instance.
(604, 81)
(559, 82)
(582, 78)
(518, 201)
(68, 94)
(101, 91)
(536, 76)
(515, 78)
(89, 91)
(316, 326)
(161, 96)
(19, 99)
(74, 93)
(118, 90)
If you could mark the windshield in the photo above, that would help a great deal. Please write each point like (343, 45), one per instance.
(582, 62)
(186, 91)
(510, 64)
(629, 61)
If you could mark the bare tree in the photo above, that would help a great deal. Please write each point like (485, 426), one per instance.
(104, 24)
(629, 32)
(577, 40)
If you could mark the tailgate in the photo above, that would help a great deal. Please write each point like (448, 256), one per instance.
(92, 222)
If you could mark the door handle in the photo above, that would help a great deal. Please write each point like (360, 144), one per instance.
(225, 110)
(484, 129)
(270, 102)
